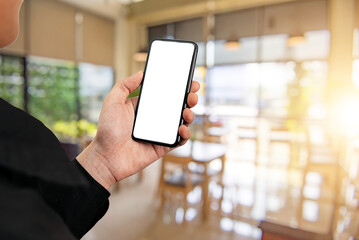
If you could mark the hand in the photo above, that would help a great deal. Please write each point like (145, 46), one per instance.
(113, 155)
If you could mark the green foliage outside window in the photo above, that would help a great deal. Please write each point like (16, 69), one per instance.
(52, 91)
(71, 130)
(11, 80)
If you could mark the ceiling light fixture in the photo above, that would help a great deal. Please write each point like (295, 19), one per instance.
(295, 40)
(233, 44)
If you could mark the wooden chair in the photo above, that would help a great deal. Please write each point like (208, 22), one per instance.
(281, 136)
(355, 179)
(176, 177)
(213, 131)
(322, 158)
(322, 164)
(215, 135)
(209, 175)
(249, 134)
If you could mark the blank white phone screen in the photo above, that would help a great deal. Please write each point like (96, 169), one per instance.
(163, 91)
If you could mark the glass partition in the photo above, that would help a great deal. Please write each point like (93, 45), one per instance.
(95, 83)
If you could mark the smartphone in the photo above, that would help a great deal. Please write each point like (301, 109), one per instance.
(166, 83)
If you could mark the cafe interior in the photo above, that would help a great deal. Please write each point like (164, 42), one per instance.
(274, 150)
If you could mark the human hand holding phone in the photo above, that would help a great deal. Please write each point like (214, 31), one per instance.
(113, 155)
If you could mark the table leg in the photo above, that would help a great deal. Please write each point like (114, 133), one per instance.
(205, 207)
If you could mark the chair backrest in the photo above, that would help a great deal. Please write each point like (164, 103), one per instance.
(176, 159)
(172, 164)
(280, 134)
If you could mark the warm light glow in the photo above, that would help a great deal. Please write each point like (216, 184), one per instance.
(233, 45)
(310, 211)
(346, 115)
(140, 56)
(296, 40)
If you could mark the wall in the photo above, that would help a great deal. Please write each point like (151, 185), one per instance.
(54, 29)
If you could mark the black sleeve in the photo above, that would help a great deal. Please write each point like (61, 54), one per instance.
(81, 207)
(29, 150)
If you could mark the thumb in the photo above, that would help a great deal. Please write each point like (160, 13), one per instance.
(127, 85)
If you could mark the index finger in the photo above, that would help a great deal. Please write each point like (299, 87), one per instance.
(195, 86)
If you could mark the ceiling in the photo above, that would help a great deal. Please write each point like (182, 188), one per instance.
(107, 8)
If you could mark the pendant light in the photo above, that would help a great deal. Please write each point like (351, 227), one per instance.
(296, 39)
(233, 44)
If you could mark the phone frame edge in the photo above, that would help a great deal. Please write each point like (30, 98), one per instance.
(188, 89)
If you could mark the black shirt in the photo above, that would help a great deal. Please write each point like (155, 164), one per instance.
(43, 195)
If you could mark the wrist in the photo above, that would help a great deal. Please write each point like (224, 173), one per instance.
(95, 164)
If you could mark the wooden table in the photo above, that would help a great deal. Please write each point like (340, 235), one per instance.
(274, 231)
(203, 153)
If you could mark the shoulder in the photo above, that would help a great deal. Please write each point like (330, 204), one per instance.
(29, 147)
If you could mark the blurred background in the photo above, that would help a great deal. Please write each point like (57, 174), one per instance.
(274, 152)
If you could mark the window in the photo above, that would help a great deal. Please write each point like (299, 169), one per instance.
(233, 84)
(12, 80)
(313, 82)
(201, 54)
(355, 76)
(52, 90)
(265, 73)
(275, 88)
(199, 76)
(246, 52)
(95, 83)
(56, 89)
(274, 82)
(275, 48)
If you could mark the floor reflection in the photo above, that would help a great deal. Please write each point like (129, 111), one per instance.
(306, 192)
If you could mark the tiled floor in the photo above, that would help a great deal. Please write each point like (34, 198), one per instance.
(133, 215)
(253, 192)
(133, 212)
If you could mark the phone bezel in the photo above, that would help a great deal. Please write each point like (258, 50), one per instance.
(188, 88)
